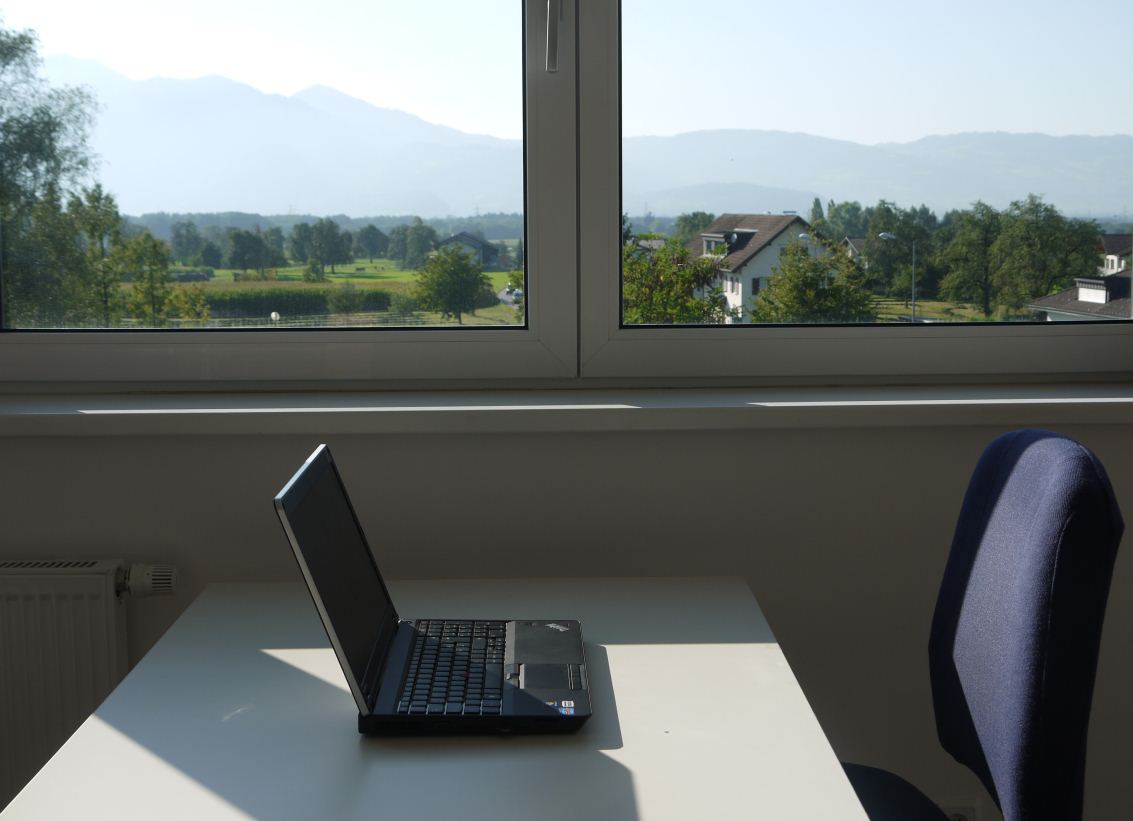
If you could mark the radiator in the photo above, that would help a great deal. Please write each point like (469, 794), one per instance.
(62, 650)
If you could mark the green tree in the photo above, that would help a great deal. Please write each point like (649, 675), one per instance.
(971, 274)
(817, 221)
(689, 226)
(670, 286)
(186, 242)
(211, 254)
(324, 248)
(450, 283)
(519, 259)
(1038, 251)
(370, 241)
(189, 304)
(299, 242)
(43, 150)
(420, 240)
(95, 214)
(345, 298)
(396, 247)
(144, 260)
(809, 289)
(246, 250)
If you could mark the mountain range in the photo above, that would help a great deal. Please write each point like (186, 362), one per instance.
(213, 144)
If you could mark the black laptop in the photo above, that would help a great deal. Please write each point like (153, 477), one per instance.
(424, 676)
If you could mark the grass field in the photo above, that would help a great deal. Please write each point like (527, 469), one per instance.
(381, 273)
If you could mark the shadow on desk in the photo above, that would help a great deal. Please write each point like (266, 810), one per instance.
(277, 741)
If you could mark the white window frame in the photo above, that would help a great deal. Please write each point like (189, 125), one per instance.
(813, 354)
(547, 348)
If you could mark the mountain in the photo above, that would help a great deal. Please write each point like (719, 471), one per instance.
(212, 144)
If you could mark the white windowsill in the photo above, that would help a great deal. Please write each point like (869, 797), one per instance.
(514, 411)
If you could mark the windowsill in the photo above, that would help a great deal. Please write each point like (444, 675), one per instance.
(514, 411)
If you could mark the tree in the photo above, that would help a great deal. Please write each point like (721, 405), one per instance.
(1038, 251)
(450, 283)
(395, 248)
(299, 242)
(419, 241)
(211, 254)
(43, 150)
(189, 304)
(669, 286)
(808, 289)
(689, 226)
(345, 298)
(95, 214)
(323, 248)
(818, 221)
(370, 241)
(246, 250)
(186, 242)
(971, 275)
(519, 259)
(144, 260)
(627, 230)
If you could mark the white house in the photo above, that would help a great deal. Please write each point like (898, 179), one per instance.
(748, 247)
(1117, 250)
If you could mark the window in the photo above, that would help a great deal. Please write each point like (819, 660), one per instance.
(570, 316)
(896, 313)
(293, 184)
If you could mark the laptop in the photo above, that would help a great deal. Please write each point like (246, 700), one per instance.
(424, 676)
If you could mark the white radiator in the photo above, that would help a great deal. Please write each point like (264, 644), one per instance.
(62, 650)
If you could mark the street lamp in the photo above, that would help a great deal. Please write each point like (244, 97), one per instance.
(886, 235)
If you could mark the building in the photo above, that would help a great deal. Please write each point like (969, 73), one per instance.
(855, 249)
(486, 254)
(1096, 298)
(748, 248)
(1117, 249)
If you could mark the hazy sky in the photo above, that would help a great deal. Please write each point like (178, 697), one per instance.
(885, 70)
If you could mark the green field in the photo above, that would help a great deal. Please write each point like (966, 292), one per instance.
(378, 275)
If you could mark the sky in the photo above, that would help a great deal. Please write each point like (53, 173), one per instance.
(885, 71)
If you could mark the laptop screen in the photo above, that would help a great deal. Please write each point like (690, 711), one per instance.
(354, 605)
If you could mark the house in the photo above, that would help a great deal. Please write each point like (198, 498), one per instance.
(855, 249)
(748, 248)
(1097, 298)
(1117, 249)
(485, 253)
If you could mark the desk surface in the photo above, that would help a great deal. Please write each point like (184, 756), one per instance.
(241, 711)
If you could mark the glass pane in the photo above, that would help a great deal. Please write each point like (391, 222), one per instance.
(892, 163)
(250, 164)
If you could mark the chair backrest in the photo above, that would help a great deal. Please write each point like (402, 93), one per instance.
(1014, 645)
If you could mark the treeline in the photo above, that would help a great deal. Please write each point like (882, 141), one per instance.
(321, 246)
(999, 260)
(492, 227)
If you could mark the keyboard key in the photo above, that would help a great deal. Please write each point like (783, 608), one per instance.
(454, 708)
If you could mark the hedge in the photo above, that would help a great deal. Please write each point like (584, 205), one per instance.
(260, 302)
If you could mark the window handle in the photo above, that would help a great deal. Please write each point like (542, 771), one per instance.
(554, 15)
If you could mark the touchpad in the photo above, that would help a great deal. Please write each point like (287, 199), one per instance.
(544, 676)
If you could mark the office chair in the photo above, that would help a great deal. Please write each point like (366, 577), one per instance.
(1014, 644)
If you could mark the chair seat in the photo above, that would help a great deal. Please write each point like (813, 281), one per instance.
(888, 797)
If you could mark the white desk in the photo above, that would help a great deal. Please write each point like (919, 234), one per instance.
(241, 710)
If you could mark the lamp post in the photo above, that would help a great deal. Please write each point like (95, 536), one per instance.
(886, 235)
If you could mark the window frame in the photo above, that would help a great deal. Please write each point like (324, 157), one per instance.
(816, 354)
(545, 348)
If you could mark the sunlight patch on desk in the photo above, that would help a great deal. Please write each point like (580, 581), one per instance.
(314, 662)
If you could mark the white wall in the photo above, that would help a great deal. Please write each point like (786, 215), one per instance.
(842, 535)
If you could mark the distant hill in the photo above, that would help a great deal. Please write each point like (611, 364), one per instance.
(212, 145)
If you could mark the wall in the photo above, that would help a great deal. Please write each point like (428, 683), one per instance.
(842, 535)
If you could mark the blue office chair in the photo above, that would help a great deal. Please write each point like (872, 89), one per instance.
(1014, 645)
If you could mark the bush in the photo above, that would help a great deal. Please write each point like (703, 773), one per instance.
(345, 299)
(403, 305)
(260, 302)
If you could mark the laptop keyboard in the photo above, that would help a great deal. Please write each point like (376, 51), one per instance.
(456, 668)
